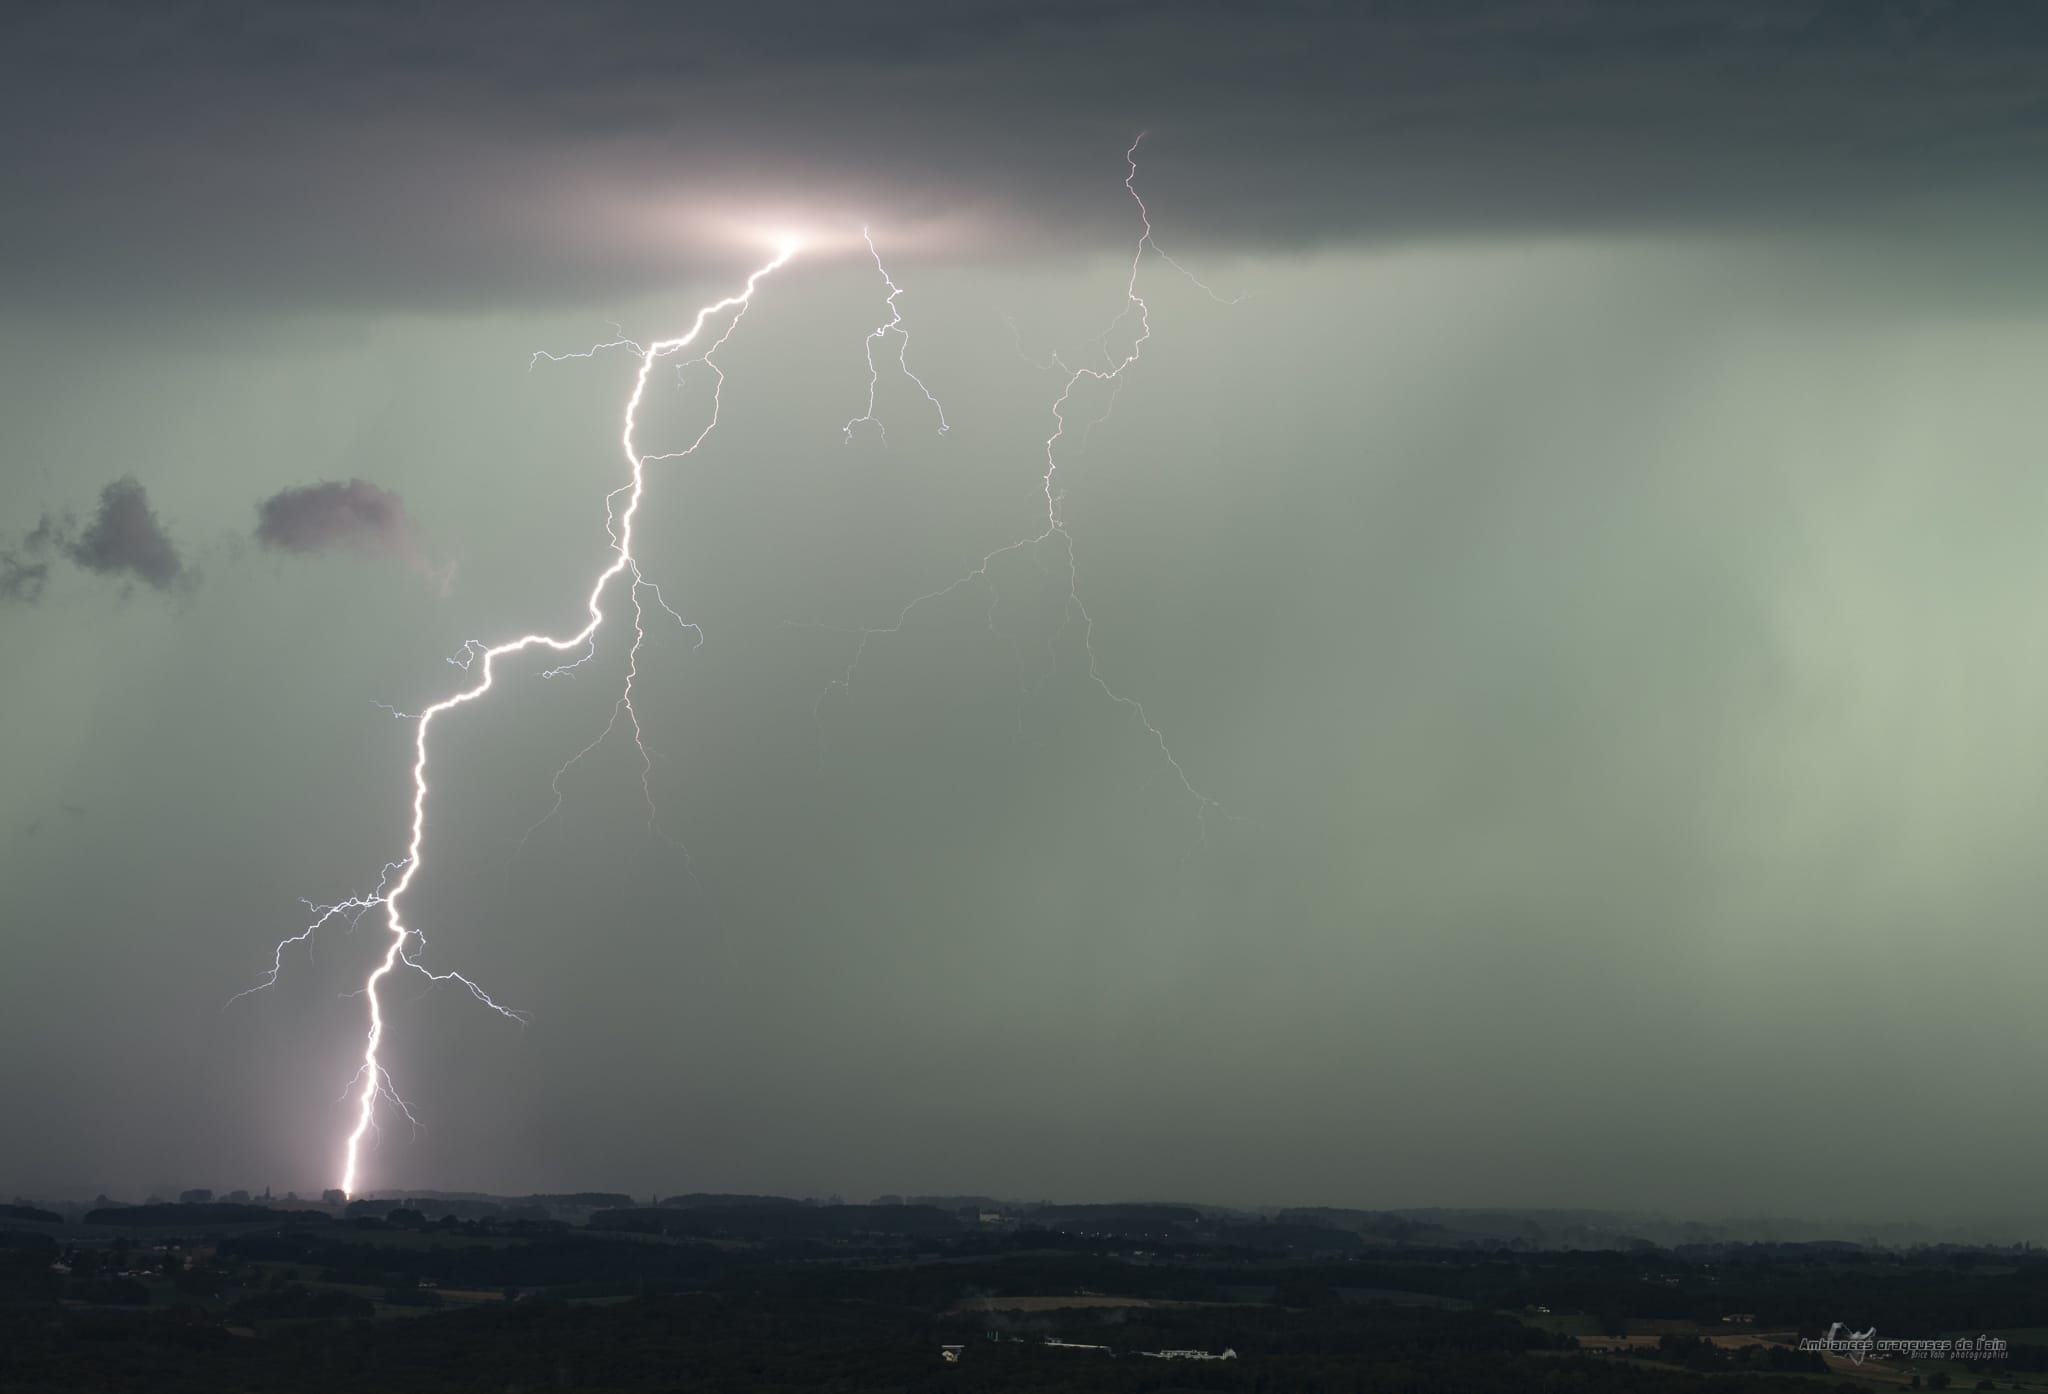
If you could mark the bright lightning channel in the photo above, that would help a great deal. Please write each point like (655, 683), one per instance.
(372, 1077)
(371, 1081)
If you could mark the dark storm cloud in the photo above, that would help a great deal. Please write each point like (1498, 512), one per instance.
(125, 539)
(356, 514)
(472, 153)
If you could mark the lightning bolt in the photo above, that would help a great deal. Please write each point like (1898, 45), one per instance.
(371, 1082)
(352, 909)
(894, 325)
(624, 706)
(619, 526)
(1075, 610)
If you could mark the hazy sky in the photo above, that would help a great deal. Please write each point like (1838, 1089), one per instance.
(1593, 570)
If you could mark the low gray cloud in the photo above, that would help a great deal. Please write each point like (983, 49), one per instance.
(125, 538)
(355, 515)
(318, 517)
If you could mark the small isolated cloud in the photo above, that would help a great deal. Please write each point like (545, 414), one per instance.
(317, 517)
(123, 539)
(355, 514)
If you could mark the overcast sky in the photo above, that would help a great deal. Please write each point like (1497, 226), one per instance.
(1582, 556)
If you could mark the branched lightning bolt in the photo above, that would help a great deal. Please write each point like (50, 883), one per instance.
(620, 527)
(1055, 530)
(894, 325)
(624, 706)
(352, 909)
(371, 1082)
(380, 1082)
